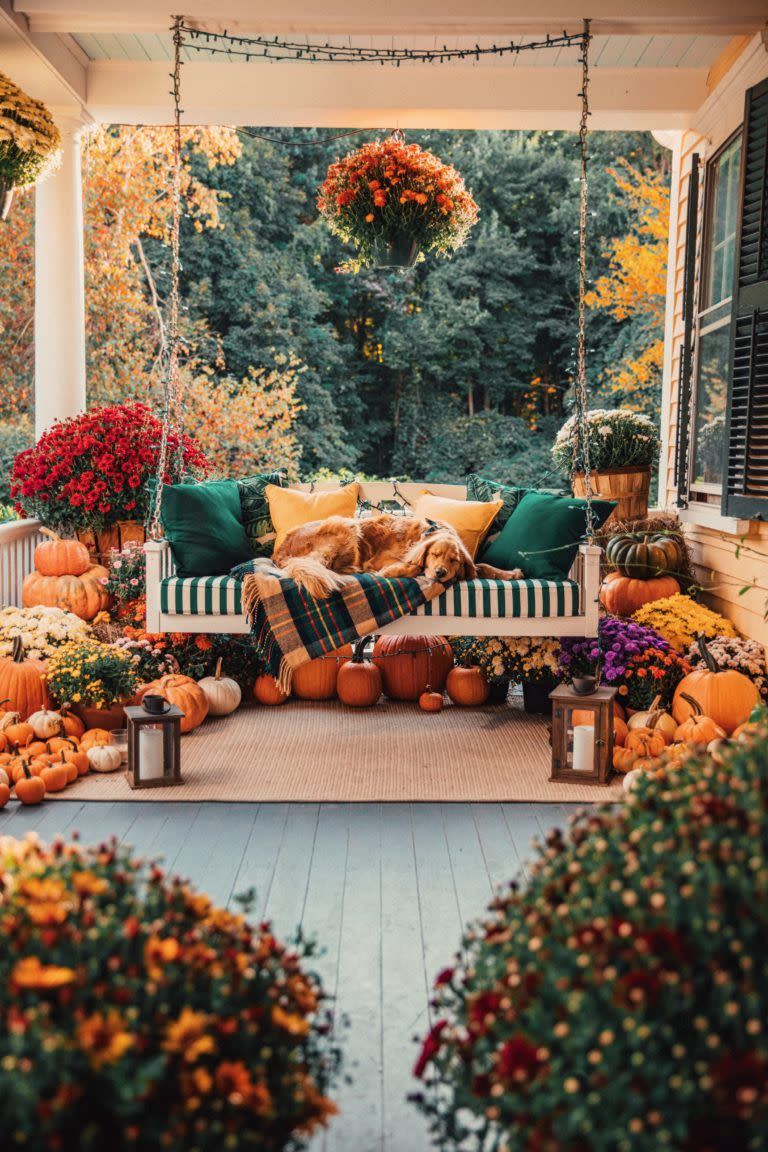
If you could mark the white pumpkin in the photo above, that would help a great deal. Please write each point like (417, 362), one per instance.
(46, 724)
(105, 757)
(8, 718)
(655, 718)
(630, 779)
(4, 777)
(222, 693)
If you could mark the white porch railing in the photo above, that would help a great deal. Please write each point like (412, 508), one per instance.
(18, 540)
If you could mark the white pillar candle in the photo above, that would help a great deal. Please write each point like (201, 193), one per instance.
(583, 748)
(151, 753)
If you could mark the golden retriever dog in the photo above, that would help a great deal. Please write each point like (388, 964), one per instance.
(319, 555)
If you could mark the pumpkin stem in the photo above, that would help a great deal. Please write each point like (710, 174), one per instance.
(49, 533)
(17, 651)
(706, 655)
(655, 703)
(217, 673)
(25, 768)
(358, 652)
(697, 709)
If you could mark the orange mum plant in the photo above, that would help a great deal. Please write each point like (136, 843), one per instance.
(389, 190)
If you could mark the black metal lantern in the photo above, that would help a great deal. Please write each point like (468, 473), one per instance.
(582, 735)
(154, 747)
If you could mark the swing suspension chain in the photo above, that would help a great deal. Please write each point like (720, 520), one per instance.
(581, 461)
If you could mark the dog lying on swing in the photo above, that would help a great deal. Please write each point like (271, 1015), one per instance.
(318, 556)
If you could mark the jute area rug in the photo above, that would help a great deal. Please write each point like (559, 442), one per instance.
(316, 752)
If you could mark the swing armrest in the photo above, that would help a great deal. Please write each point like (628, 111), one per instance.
(159, 565)
(589, 581)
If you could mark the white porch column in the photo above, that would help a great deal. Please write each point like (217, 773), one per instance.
(60, 288)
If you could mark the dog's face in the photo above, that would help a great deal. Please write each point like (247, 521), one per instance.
(442, 556)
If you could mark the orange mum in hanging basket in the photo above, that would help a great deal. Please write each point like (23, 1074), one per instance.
(393, 201)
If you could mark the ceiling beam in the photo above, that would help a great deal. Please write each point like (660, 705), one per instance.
(367, 96)
(403, 17)
(47, 66)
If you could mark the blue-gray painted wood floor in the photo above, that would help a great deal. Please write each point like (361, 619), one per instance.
(385, 888)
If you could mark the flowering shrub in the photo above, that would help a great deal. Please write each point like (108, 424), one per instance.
(149, 658)
(747, 656)
(127, 580)
(680, 620)
(91, 673)
(196, 654)
(388, 189)
(535, 659)
(618, 1002)
(619, 642)
(654, 672)
(92, 470)
(30, 143)
(617, 439)
(42, 630)
(137, 1015)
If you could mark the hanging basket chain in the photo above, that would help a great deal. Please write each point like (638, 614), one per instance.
(171, 382)
(581, 461)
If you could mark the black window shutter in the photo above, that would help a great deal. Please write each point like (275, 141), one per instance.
(745, 492)
(683, 439)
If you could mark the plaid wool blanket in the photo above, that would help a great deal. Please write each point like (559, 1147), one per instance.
(290, 628)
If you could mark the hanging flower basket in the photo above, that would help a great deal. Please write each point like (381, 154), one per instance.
(394, 201)
(30, 144)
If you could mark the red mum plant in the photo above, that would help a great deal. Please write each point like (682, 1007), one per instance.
(136, 1014)
(92, 470)
(388, 190)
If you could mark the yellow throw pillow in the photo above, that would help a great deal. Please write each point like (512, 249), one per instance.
(472, 519)
(290, 507)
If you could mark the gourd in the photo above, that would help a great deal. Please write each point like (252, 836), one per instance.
(22, 682)
(359, 682)
(408, 664)
(267, 691)
(94, 737)
(72, 725)
(698, 729)
(185, 693)
(57, 557)
(727, 696)
(644, 555)
(79, 760)
(104, 757)
(316, 680)
(656, 719)
(45, 723)
(222, 693)
(21, 766)
(30, 789)
(19, 735)
(623, 595)
(54, 776)
(467, 686)
(645, 742)
(431, 701)
(84, 595)
(69, 766)
(623, 759)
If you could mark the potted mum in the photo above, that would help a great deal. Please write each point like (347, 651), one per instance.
(394, 201)
(30, 144)
(96, 680)
(623, 446)
(90, 474)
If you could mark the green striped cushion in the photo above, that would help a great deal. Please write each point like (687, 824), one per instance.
(492, 599)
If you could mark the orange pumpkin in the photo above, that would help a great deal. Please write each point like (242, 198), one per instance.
(619, 731)
(726, 697)
(185, 693)
(20, 735)
(622, 596)
(71, 724)
(623, 759)
(267, 691)
(22, 682)
(57, 557)
(69, 766)
(93, 737)
(430, 701)
(645, 742)
(78, 760)
(408, 664)
(359, 682)
(656, 719)
(35, 748)
(54, 776)
(30, 789)
(84, 595)
(467, 686)
(21, 766)
(61, 744)
(698, 729)
(316, 680)
(5, 795)
(618, 710)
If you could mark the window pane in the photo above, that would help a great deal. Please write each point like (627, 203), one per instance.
(711, 392)
(721, 227)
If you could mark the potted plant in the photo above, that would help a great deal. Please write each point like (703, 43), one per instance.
(30, 144)
(618, 642)
(96, 680)
(393, 201)
(623, 446)
(91, 474)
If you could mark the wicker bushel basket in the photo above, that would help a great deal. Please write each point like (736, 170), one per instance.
(99, 544)
(629, 486)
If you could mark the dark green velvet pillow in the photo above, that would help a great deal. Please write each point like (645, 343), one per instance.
(543, 534)
(478, 488)
(203, 525)
(254, 507)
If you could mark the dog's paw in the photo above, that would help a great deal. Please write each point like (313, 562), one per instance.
(516, 574)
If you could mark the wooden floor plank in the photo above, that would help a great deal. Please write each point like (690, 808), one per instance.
(47, 820)
(499, 852)
(288, 890)
(257, 866)
(438, 906)
(524, 828)
(217, 877)
(470, 877)
(97, 823)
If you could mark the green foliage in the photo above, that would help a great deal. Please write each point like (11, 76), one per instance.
(15, 436)
(618, 1002)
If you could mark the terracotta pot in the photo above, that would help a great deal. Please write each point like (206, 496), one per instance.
(109, 718)
(6, 199)
(629, 486)
(400, 251)
(123, 532)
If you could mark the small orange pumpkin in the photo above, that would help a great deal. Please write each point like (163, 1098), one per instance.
(698, 729)
(185, 693)
(267, 691)
(619, 731)
(94, 737)
(72, 725)
(78, 759)
(30, 789)
(430, 701)
(54, 776)
(645, 741)
(19, 735)
(62, 744)
(57, 557)
(5, 795)
(467, 686)
(22, 682)
(623, 759)
(359, 682)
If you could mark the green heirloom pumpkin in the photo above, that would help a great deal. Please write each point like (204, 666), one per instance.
(643, 555)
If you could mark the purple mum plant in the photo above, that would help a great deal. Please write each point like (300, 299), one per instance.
(619, 641)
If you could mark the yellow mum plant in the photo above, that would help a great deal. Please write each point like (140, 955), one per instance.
(679, 619)
(30, 143)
